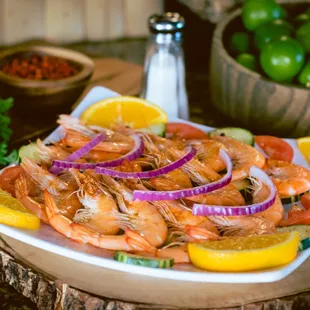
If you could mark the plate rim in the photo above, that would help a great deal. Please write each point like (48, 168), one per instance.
(266, 276)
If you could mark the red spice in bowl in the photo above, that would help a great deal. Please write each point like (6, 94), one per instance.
(39, 67)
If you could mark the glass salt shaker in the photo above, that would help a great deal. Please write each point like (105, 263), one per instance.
(164, 72)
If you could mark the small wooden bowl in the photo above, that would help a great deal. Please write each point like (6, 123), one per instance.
(250, 99)
(45, 95)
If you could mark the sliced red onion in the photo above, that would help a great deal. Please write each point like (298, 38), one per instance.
(135, 153)
(209, 210)
(58, 165)
(188, 192)
(63, 164)
(149, 174)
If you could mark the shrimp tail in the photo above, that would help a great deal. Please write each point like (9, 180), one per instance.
(165, 212)
(137, 242)
(42, 177)
(240, 226)
(200, 233)
(21, 189)
(21, 192)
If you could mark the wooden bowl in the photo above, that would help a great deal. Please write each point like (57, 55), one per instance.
(250, 99)
(57, 95)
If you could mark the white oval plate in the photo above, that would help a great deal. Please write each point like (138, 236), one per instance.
(48, 239)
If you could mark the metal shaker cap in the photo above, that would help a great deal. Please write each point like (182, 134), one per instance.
(169, 22)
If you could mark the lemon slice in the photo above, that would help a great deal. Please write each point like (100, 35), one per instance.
(237, 254)
(304, 147)
(130, 111)
(13, 213)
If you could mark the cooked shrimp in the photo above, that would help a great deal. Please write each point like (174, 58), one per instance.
(275, 213)
(260, 223)
(289, 179)
(179, 254)
(22, 194)
(75, 140)
(63, 188)
(173, 180)
(226, 196)
(78, 134)
(49, 153)
(180, 217)
(76, 124)
(208, 153)
(42, 177)
(198, 172)
(140, 216)
(99, 206)
(242, 155)
(130, 241)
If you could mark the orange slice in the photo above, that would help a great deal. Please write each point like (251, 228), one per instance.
(13, 213)
(239, 254)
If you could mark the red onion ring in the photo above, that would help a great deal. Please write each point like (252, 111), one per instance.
(68, 162)
(149, 174)
(209, 210)
(188, 192)
(57, 166)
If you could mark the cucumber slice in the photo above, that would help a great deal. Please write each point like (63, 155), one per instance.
(29, 151)
(292, 199)
(304, 244)
(137, 260)
(304, 230)
(239, 134)
(157, 129)
(242, 187)
(241, 184)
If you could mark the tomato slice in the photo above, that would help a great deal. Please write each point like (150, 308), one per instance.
(275, 148)
(8, 178)
(185, 131)
(305, 201)
(297, 218)
(295, 209)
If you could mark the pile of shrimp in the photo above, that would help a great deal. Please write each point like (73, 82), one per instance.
(99, 210)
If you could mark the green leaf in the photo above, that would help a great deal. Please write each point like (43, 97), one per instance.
(6, 105)
(6, 132)
(12, 157)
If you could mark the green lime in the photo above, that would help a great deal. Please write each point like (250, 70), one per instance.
(256, 13)
(304, 17)
(240, 42)
(272, 30)
(304, 76)
(247, 60)
(282, 59)
(303, 35)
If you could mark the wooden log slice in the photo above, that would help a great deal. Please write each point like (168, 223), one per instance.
(48, 292)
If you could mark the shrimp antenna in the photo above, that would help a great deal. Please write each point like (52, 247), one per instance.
(255, 186)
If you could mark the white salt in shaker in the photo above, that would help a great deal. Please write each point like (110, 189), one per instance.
(164, 72)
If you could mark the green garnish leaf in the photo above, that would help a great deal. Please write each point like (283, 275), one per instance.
(12, 157)
(6, 105)
(6, 132)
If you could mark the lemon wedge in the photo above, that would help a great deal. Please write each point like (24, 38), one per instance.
(304, 147)
(237, 254)
(126, 110)
(13, 213)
